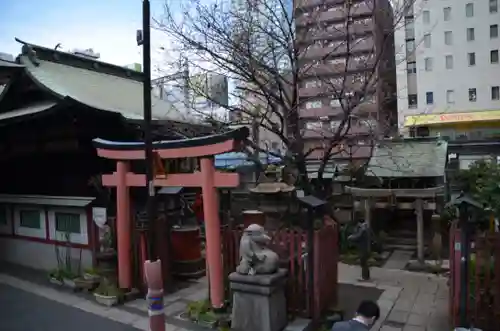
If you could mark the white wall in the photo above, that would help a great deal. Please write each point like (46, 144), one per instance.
(23, 245)
(482, 76)
(38, 255)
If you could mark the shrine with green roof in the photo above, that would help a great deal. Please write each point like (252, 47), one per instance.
(403, 190)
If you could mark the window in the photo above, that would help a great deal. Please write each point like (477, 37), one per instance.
(426, 16)
(29, 222)
(469, 10)
(334, 125)
(494, 31)
(30, 219)
(449, 61)
(412, 101)
(427, 40)
(450, 96)
(472, 95)
(429, 98)
(471, 57)
(410, 46)
(493, 6)
(334, 103)
(312, 83)
(313, 104)
(495, 93)
(314, 125)
(448, 38)
(68, 222)
(447, 13)
(470, 34)
(411, 67)
(337, 61)
(494, 56)
(428, 64)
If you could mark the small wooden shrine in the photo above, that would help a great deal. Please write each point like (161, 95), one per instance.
(402, 175)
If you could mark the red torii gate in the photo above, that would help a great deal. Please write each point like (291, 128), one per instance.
(208, 178)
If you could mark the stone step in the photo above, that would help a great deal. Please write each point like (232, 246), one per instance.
(401, 247)
(403, 233)
(401, 240)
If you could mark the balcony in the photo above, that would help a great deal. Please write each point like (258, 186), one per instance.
(333, 13)
(336, 48)
(329, 111)
(338, 66)
(335, 31)
(336, 85)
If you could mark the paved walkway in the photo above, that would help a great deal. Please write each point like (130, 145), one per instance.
(398, 260)
(410, 302)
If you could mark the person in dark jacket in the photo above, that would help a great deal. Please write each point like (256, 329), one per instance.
(367, 314)
(361, 237)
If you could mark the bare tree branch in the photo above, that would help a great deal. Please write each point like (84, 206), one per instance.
(297, 74)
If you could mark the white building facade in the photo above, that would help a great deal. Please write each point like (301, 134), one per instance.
(448, 72)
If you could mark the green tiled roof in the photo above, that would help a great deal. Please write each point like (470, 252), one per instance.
(409, 158)
(101, 91)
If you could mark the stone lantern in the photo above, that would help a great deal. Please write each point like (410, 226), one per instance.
(273, 198)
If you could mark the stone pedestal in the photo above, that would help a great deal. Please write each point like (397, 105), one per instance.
(259, 302)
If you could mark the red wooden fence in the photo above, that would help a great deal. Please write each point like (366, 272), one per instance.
(483, 306)
(290, 244)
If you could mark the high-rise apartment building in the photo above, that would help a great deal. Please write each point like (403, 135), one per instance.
(346, 58)
(449, 79)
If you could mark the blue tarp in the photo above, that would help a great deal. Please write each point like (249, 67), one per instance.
(234, 160)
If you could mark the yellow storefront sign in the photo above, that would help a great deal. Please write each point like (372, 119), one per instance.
(450, 118)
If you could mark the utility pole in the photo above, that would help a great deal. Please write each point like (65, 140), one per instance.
(152, 267)
(148, 140)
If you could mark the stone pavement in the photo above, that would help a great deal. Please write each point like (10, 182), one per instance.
(175, 303)
(411, 301)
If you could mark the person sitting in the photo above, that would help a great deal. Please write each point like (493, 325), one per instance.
(367, 314)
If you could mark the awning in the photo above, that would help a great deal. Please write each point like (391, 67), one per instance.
(235, 160)
(46, 200)
(450, 118)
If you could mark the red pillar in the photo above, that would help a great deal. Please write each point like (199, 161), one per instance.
(212, 232)
(154, 280)
(123, 226)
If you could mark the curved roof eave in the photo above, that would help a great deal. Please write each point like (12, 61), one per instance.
(39, 84)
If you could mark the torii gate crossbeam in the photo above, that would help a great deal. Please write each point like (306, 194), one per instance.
(204, 148)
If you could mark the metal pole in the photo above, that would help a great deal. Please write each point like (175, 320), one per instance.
(464, 257)
(152, 267)
(351, 182)
(148, 141)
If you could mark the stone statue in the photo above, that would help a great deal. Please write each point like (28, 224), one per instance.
(255, 256)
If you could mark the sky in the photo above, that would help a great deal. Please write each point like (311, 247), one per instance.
(107, 26)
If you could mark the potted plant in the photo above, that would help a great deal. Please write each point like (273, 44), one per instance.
(107, 293)
(91, 274)
(208, 319)
(55, 277)
(68, 278)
